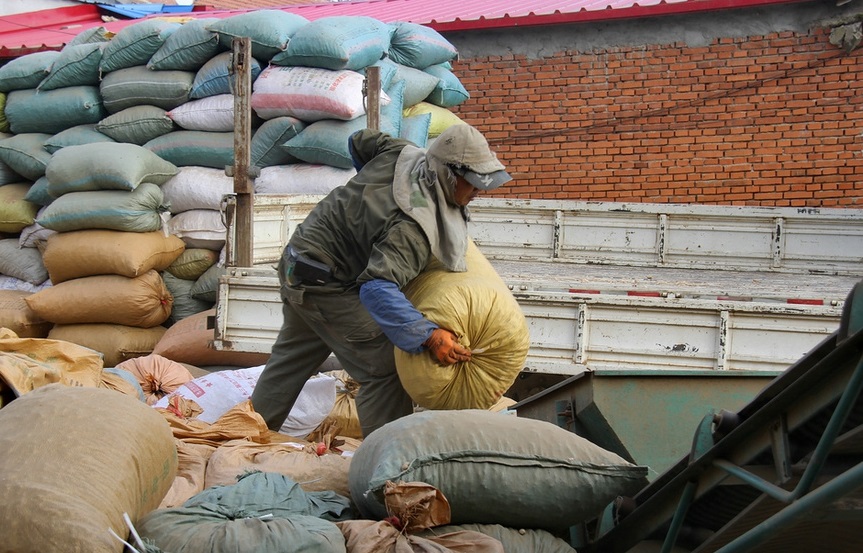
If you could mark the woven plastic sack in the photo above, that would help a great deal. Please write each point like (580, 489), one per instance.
(188, 48)
(96, 34)
(309, 94)
(116, 342)
(75, 136)
(337, 42)
(216, 76)
(52, 111)
(416, 129)
(76, 65)
(214, 113)
(136, 44)
(418, 84)
(269, 31)
(419, 46)
(105, 166)
(448, 92)
(262, 512)
(27, 71)
(266, 144)
(122, 455)
(138, 86)
(17, 316)
(157, 375)
(513, 539)
(16, 213)
(197, 188)
(493, 468)
(298, 461)
(184, 304)
(325, 142)
(441, 118)
(136, 125)
(190, 341)
(200, 228)
(302, 178)
(206, 288)
(480, 309)
(4, 123)
(30, 363)
(142, 301)
(138, 210)
(25, 154)
(192, 263)
(89, 252)
(23, 263)
(195, 148)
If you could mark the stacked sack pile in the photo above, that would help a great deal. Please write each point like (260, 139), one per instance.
(111, 182)
(113, 154)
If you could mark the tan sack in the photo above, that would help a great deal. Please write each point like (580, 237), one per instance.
(297, 460)
(343, 420)
(191, 468)
(74, 460)
(157, 375)
(190, 341)
(143, 301)
(479, 308)
(117, 343)
(30, 363)
(90, 252)
(17, 316)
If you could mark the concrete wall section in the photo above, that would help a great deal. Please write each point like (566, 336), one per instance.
(746, 107)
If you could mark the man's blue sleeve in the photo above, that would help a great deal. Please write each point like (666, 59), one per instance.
(402, 323)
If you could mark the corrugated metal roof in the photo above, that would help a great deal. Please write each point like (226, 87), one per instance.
(51, 29)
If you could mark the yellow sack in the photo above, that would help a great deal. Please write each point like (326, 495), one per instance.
(481, 310)
(30, 363)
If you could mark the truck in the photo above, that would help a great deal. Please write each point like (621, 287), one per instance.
(710, 301)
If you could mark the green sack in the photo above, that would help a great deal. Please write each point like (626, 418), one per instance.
(25, 154)
(77, 65)
(136, 44)
(105, 166)
(188, 48)
(138, 210)
(268, 30)
(53, 111)
(195, 148)
(75, 136)
(138, 86)
(493, 468)
(26, 71)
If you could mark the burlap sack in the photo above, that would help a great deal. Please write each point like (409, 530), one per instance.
(92, 252)
(74, 460)
(479, 308)
(142, 301)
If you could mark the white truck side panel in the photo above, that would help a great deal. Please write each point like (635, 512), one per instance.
(619, 286)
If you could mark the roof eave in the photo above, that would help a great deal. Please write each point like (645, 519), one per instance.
(583, 16)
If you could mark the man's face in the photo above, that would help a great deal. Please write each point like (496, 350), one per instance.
(464, 191)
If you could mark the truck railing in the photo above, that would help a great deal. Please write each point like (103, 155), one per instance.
(735, 238)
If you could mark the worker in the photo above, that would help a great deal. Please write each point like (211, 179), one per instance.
(344, 268)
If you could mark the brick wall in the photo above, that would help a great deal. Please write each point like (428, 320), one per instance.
(771, 120)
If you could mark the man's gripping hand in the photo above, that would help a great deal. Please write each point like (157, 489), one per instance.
(444, 346)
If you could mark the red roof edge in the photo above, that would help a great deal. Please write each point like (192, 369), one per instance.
(582, 16)
(68, 21)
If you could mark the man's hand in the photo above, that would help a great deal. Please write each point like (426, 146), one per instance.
(443, 345)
